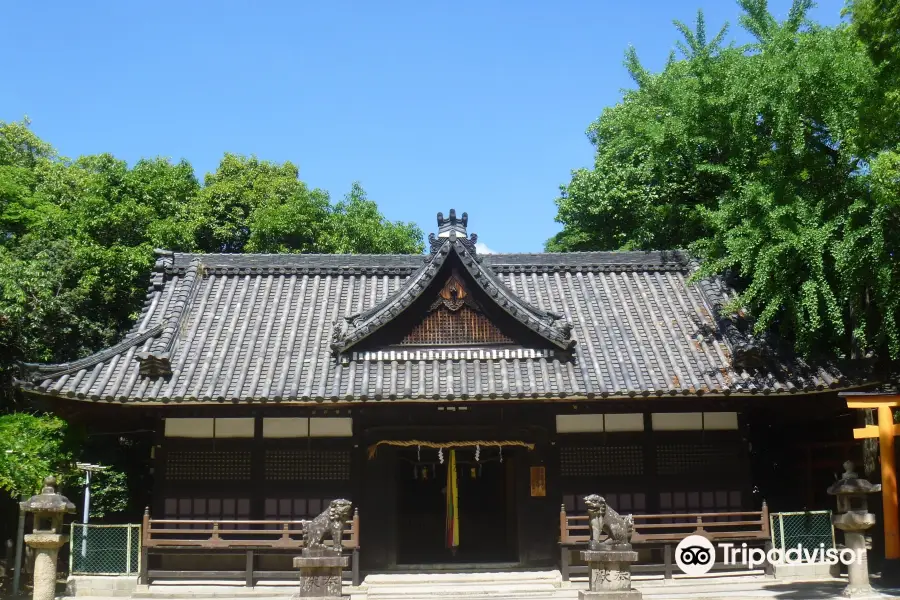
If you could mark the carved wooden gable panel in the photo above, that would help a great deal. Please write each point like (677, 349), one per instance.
(454, 319)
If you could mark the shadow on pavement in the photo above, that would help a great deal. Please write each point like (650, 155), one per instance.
(813, 590)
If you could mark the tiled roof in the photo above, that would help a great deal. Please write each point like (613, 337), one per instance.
(251, 327)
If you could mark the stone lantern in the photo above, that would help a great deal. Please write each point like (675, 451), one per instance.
(49, 508)
(853, 518)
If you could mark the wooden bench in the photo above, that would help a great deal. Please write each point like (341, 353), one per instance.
(666, 530)
(214, 537)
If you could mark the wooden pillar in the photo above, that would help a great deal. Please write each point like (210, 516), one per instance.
(810, 494)
(885, 431)
(888, 482)
(160, 477)
(258, 487)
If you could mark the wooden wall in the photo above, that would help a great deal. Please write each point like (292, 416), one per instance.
(638, 471)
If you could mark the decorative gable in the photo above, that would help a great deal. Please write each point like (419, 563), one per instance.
(452, 300)
(455, 319)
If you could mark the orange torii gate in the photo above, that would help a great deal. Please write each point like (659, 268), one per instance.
(885, 431)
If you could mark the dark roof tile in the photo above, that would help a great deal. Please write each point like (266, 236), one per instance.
(236, 328)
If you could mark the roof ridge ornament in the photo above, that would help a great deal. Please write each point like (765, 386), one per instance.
(154, 364)
(452, 229)
(452, 223)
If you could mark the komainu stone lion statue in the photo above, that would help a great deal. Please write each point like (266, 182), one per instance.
(330, 522)
(604, 519)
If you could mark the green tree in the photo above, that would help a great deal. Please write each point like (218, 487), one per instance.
(31, 448)
(20, 152)
(249, 205)
(357, 227)
(877, 24)
(77, 237)
(760, 159)
(76, 249)
(661, 154)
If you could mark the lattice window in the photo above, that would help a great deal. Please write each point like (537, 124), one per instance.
(687, 459)
(707, 501)
(206, 508)
(296, 508)
(454, 318)
(701, 502)
(446, 328)
(208, 465)
(625, 503)
(307, 465)
(593, 461)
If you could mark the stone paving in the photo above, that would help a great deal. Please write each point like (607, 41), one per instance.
(419, 588)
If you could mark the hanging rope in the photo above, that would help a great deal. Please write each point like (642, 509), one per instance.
(373, 449)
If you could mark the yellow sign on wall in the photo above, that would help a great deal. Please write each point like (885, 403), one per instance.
(538, 482)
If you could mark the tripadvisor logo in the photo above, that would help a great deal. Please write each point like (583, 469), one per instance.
(695, 555)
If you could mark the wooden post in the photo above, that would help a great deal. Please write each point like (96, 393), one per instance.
(888, 481)
(564, 557)
(145, 526)
(769, 568)
(885, 431)
(354, 529)
(143, 569)
(667, 561)
(563, 526)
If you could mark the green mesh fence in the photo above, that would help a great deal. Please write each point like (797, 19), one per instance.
(807, 529)
(104, 549)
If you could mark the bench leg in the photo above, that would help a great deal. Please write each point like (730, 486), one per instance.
(769, 567)
(248, 577)
(564, 560)
(667, 560)
(354, 565)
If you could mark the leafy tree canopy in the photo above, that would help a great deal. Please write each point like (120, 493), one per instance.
(772, 161)
(77, 236)
(76, 249)
(33, 448)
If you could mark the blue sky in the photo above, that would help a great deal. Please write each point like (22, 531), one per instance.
(475, 105)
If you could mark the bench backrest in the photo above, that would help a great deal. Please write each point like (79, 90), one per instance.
(748, 525)
(224, 533)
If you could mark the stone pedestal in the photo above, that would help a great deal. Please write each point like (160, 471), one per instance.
(46, 548)
(857, 571)
(610, 574)
(320, 573)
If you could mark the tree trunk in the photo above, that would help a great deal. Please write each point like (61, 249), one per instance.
(870, 445)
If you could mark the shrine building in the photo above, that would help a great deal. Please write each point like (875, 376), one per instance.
(275, 383)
